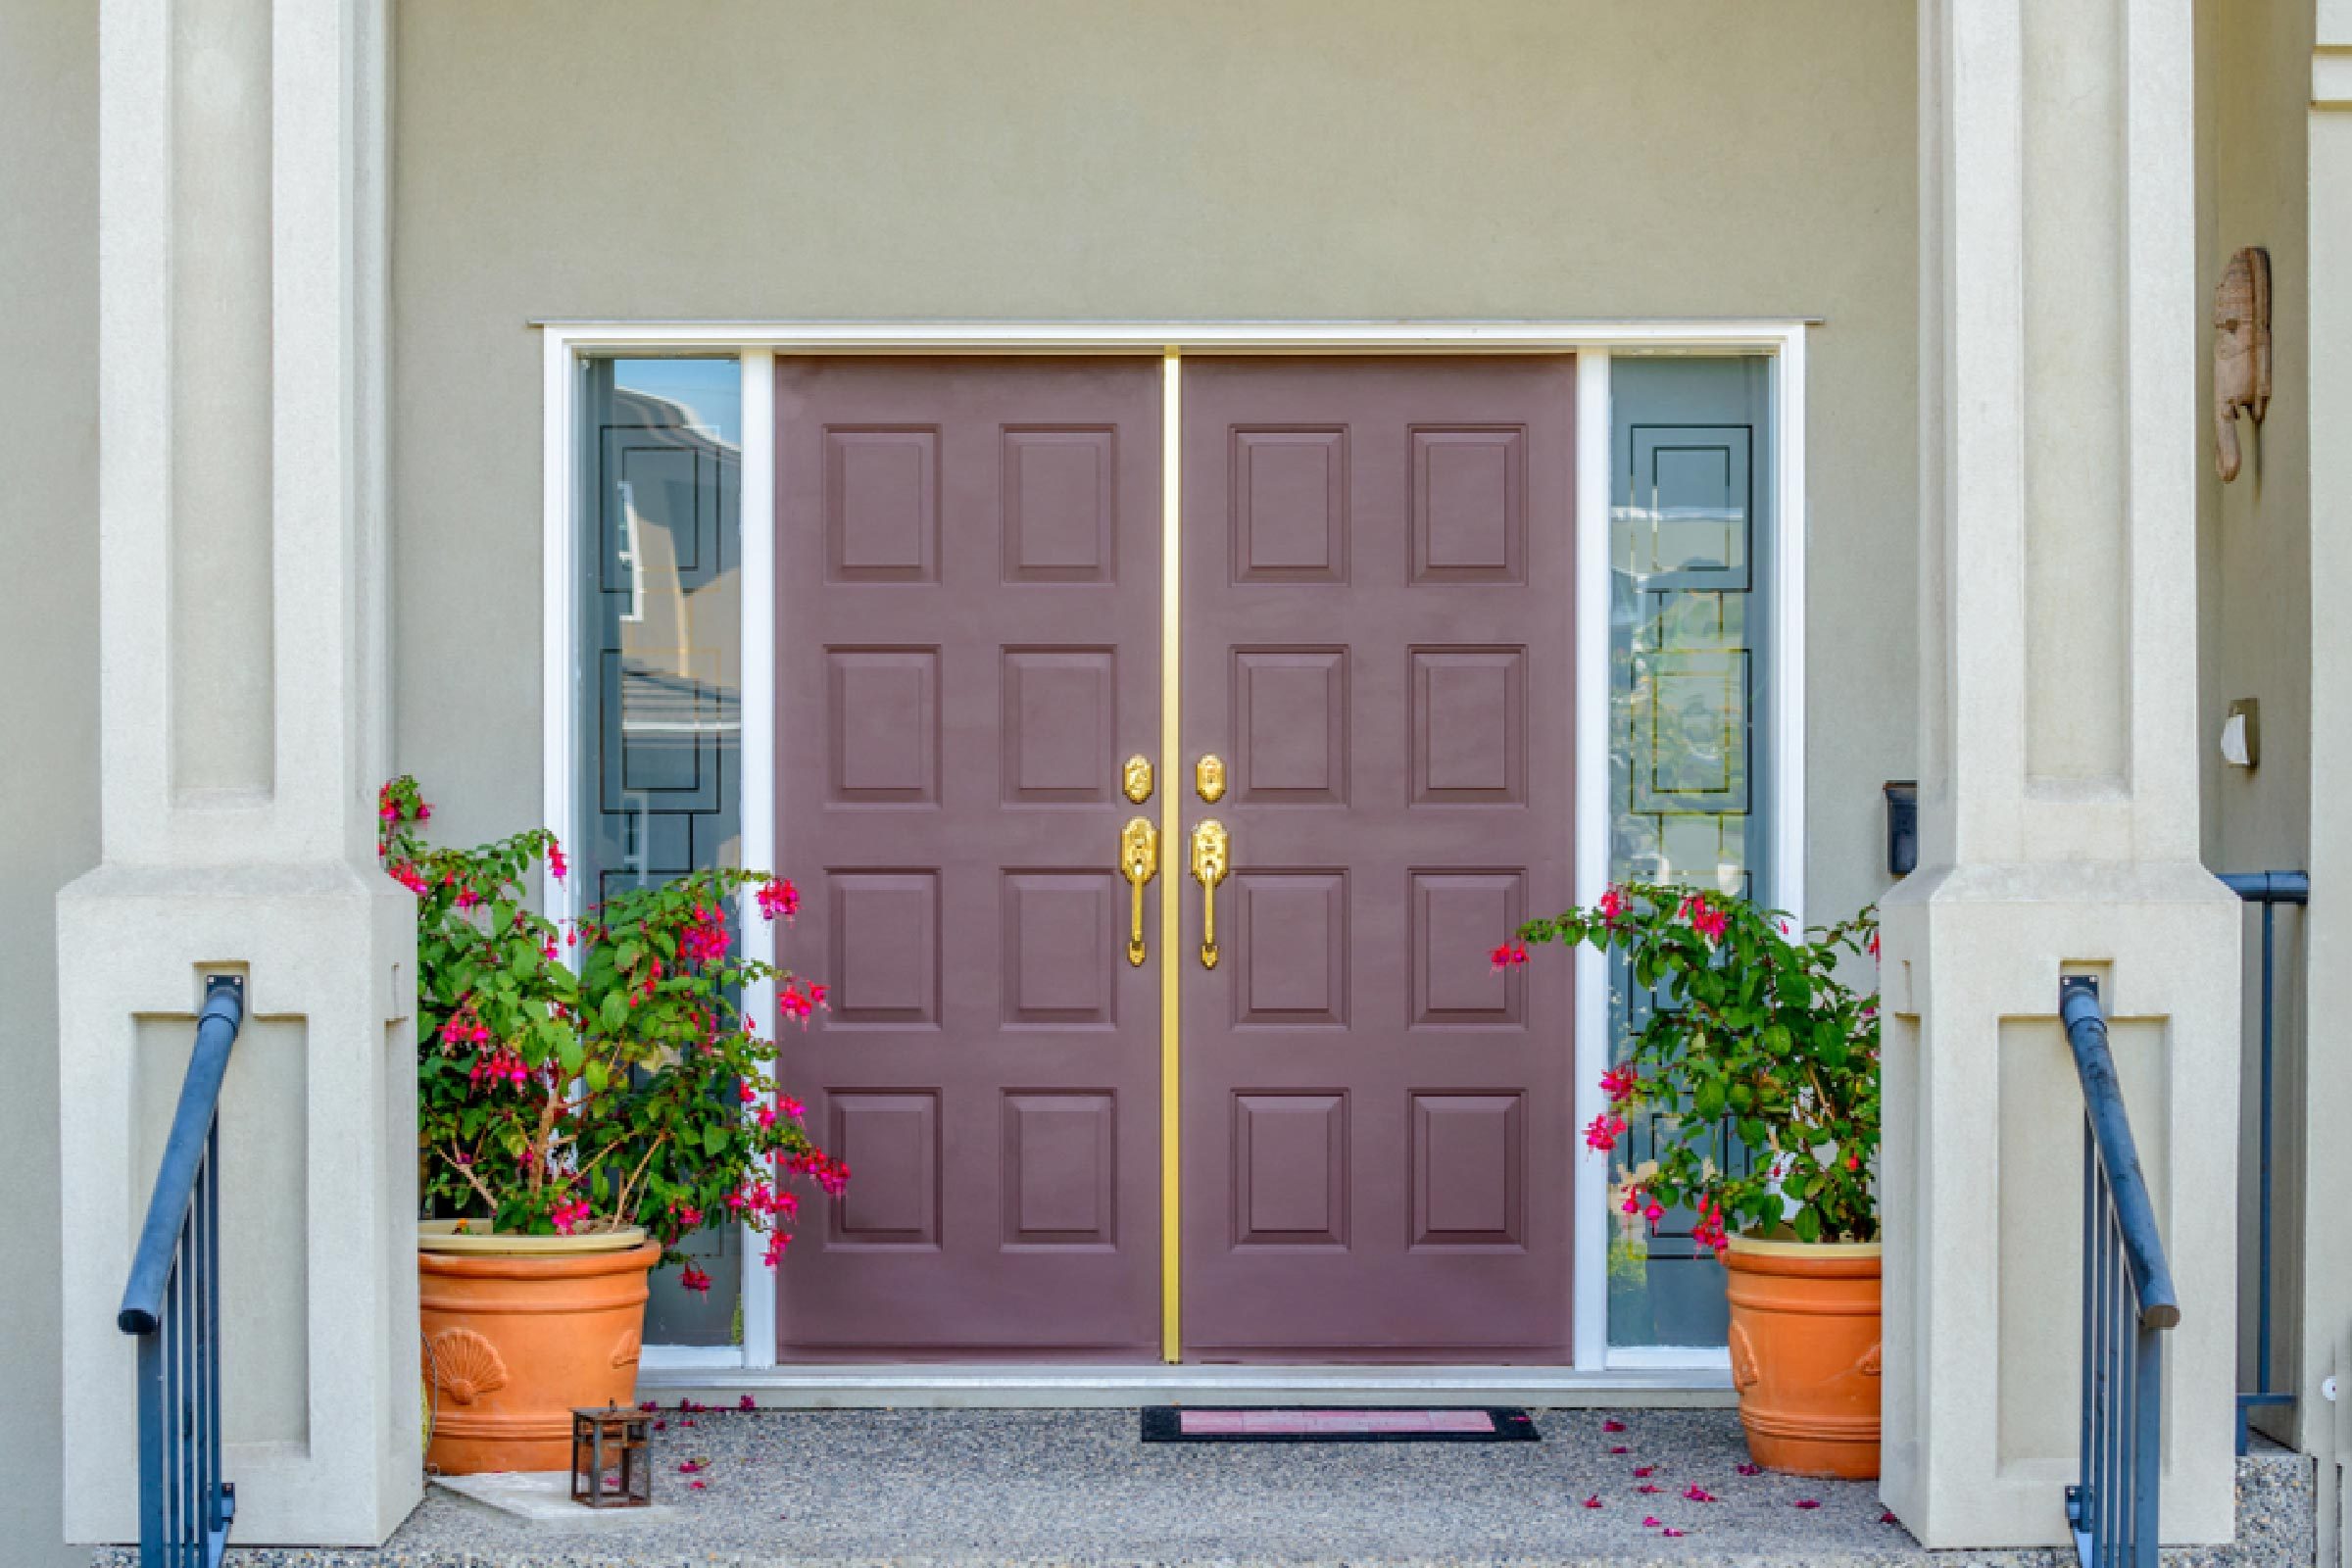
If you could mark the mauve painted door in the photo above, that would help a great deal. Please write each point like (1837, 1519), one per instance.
(1378, 1135)
(969, 577)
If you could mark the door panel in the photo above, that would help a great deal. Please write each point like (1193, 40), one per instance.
(968, 569)
(1377, 641)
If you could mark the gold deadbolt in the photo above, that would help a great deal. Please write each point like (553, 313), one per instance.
(1135, 779)
(1208, 778)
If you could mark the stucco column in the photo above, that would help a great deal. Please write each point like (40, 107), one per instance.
(2322, 1287)
(2059, 781)
(241, 200)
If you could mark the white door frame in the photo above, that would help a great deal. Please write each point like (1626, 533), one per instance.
(1596, 1370)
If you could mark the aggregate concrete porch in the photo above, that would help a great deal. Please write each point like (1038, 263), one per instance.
(940, 1488)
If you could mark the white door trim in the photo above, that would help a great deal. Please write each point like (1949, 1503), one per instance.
(1651, 1372)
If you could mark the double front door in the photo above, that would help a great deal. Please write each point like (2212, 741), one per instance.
(1097, 962)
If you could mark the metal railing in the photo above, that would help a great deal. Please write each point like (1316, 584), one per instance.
(171, 1305)
(2127, 1302)
(2268, 890)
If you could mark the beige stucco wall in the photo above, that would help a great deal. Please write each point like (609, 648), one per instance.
(1183, 158)
(2255, 563)
(49, 702)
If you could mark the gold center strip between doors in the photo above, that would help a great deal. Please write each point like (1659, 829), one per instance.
(1171, 898)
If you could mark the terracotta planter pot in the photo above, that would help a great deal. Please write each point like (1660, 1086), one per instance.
(519, 1332)
(1805, 1355)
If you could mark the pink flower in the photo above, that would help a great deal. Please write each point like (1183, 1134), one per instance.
(777, 895)
(1887, 1517)
(648, 1406)
(1620, 1084)
(556, 866)
(1507, 955)
(1612, 905)
(695, 1280)
(1612, 1423)
(791, 1106)
(690, 1467)
(1697, 1494)
(1704, 917)
(1749, 1469)
(747, 1403)
(1591, 1502)
(768, 1116)
(568, 1215)
(696, 1486)
(1602, 1135)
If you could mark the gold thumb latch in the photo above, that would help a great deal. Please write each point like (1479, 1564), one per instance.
(1208, 778)
(1210, 865)
(1139, 862)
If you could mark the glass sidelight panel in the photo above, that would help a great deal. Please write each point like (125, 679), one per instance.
(661, 782)
(1689, 545)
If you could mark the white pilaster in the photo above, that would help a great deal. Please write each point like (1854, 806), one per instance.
(2058, 768)
(241, 302)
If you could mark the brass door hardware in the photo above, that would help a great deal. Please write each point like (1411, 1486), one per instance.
(1139, 862)
(1135, 779)
(1208, 779)
(1210, 861)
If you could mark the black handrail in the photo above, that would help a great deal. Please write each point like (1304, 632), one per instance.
(2127, 1302)
(2269, 889)
(172, 1304)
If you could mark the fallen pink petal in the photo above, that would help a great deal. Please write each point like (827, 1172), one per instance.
(1612, 1425)
(1649, 1521)
(1749, 1469)
(1698, 1493)
(1591, 1502)
(1807, 1503)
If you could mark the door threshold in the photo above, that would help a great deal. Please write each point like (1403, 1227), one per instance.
(982, 1385)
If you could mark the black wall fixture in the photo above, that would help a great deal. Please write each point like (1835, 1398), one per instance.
(1903, 826)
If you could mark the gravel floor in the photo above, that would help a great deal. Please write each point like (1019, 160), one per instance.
(1069, 1487)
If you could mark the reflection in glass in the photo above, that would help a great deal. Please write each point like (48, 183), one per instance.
(1690, 491)
(660, 453)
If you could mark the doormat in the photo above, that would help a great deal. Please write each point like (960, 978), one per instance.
(1168, 1423)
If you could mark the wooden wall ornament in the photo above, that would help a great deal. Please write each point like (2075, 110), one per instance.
(2241, 351)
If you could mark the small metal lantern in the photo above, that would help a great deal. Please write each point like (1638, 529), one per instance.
(610, 1465)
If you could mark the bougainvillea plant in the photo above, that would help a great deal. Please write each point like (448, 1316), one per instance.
(587, 1074)
(1757, 1036)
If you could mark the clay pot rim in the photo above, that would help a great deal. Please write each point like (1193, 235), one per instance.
(539, 1265)
(1811, 1260)
(443, 1236)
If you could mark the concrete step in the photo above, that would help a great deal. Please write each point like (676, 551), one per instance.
(960, 1489)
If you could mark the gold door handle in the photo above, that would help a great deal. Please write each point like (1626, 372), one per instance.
(1210, 861)
(1139, 862)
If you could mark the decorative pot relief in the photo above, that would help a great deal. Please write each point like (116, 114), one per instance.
(627, 1349)
(1743, 1360)
(1868, 1366)
(463, 1366)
